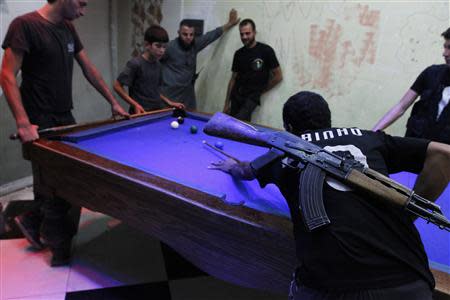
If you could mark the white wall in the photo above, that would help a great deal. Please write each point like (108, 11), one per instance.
(172, 15)
(361, 56)
(124, 28)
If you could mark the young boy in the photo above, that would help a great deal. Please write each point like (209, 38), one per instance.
(142, 75)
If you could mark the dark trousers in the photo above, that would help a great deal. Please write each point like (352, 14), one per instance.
(242, 107)
(56, 219)
(417, 290)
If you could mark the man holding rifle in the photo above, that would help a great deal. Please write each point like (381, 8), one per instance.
(370, 249)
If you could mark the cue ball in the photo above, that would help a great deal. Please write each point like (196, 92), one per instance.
(180, 120)
(219, 145)
(194, 129)
(174, 124)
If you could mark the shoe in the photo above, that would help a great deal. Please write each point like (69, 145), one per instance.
(30, 231)
(60, 257)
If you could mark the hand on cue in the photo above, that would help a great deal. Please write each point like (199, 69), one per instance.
(222, 152)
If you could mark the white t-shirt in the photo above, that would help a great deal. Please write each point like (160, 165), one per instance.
(444, 101)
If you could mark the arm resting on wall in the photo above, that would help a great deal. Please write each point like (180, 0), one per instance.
(232, 20)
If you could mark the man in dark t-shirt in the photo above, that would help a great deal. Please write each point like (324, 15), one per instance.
(371, 249)
(255, 71)
(42, 44)
(430, 116)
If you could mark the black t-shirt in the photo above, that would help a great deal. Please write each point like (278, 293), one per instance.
(427, 120)
(253, 66)
(48, 52)
(431, 78)
(143, 79)
(368, 244)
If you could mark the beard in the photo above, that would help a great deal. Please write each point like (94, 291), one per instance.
(248, 42)
(185, 46)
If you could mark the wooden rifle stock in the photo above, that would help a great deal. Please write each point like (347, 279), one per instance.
(224, 126)
(376, 188)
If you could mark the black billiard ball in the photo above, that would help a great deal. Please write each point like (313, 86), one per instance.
(180, 120)
(177, 112)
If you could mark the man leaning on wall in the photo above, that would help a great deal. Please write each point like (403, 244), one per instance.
(180, 60)
(256, 70)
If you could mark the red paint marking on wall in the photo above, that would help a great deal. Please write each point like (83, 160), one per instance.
(304, 77)
(331, 51)
(368, 50)
(323, 47)
(368, 17)
(348, 52)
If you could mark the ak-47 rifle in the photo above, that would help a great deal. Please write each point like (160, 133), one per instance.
(320, 163)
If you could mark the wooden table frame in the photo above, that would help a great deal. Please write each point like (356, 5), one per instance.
(240, 245)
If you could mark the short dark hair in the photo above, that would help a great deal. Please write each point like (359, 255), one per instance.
(446, 34)
(247, 22)
(306, 111)
(156, 34)
(187, 23)
(51, 1)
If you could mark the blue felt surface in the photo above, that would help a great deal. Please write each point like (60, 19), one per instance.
(435, 240)
(178, 155)
(151, 145)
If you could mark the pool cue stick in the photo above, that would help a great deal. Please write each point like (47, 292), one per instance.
(221, 151)
(15, 136)
(57, 129)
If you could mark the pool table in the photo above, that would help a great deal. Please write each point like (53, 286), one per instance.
(155, 178)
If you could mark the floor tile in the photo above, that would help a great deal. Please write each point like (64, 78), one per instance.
(111, 261)
(156, 291)
(108, 254)
(207, 288)
(27, 273)
(58, 296)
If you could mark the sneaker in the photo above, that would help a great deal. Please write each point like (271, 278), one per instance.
(30, 232)
(60, 257)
